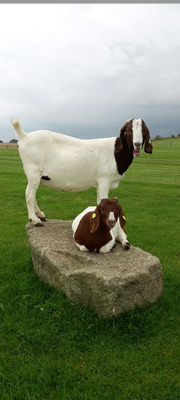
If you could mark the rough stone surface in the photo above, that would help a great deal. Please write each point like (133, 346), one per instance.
(110, 283)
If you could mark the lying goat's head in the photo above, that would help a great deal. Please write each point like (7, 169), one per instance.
(108, 211)
(134, 134)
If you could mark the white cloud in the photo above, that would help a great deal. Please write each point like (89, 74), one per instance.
(90, 65)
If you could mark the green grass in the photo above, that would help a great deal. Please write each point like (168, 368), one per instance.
(51, 349)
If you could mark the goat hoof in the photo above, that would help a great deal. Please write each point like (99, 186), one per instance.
(44, 219)
(127, 246)
(38, 224)
(41, 216)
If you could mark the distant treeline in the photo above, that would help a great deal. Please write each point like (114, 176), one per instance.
(11, 141)
(158, 137)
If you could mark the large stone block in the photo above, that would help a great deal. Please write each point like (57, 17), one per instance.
(110, 283)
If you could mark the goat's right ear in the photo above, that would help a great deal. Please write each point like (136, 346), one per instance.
(121, 139)
(118, 145)
(123, 129)
(95, 219)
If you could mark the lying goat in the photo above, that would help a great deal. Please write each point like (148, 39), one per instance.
(97, 228)
(68, 164)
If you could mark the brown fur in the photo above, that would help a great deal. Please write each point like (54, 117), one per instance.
(94, 233)
(124, 146)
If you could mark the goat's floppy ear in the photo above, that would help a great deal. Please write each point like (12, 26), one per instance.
(147, 141)
(122, 218)
(118, 145)
(95, 219)
(121, 139)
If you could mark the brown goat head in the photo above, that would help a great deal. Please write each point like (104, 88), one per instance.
(134, 134)
(108, 212)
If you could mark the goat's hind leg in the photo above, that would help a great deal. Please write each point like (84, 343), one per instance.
(31, 201)
(38, 212)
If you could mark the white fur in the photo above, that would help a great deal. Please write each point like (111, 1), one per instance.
(82, 247)
(111, 216)
(137, 132)
(108, 246)
(71, 164)
(116, 233)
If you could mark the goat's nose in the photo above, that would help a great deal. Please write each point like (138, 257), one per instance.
(137, 144)
(112, 223)
(111, 220)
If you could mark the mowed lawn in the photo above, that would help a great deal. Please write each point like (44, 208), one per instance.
(51, 349)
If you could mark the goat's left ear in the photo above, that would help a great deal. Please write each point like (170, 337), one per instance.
(95, 219)
(122, 218)
(147, 140)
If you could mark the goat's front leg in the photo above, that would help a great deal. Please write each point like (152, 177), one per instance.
(108, 246)
(102, 190)
(122, 237)
(31, 201)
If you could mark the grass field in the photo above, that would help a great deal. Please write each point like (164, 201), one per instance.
(51, 349)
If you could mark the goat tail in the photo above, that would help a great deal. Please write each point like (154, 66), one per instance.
(17, 127)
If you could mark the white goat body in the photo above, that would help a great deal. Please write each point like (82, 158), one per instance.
(69, 164)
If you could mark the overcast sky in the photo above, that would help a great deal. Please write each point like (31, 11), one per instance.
(83, 70)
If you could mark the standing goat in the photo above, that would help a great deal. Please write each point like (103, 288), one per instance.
(97, 228)
(68, 164)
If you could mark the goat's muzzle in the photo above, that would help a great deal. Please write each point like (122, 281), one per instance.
(137, 149)
(111, 223)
